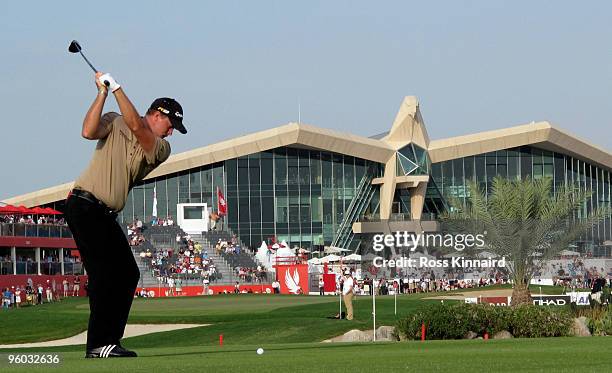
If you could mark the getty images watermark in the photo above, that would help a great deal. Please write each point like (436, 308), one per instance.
(411, 241)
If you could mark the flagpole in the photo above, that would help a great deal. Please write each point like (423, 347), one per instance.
(374, 310)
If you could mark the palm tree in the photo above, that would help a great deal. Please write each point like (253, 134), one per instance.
(524, 221)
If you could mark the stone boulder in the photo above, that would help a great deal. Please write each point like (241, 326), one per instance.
(385, 333)
(504, 334)
(354, 336)
(580, 328)
(470, 335)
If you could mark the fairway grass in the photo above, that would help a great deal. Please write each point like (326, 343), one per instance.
(525, 355)
(290, 329)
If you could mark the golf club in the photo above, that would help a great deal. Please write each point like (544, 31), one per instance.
(75, 47)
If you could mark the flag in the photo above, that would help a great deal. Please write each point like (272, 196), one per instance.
(155, 201)
(221, 205)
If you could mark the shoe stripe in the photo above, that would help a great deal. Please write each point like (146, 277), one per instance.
(108, 351)
(103, 351)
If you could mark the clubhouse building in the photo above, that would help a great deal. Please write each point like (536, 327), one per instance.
(315, 187)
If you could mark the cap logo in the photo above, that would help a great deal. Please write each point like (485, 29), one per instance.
(177, 114)
(165, 111)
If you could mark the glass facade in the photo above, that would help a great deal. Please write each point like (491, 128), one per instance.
(301, 196)
(527, 161)
(288, 194)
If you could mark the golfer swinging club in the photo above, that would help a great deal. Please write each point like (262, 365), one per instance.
(129, 147)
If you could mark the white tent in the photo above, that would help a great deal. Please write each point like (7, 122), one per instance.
(330, 258)
(264, 255)
(352, 257)
(314, 261)
(285, 252)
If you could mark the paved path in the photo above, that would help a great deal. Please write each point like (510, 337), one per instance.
(131, 330)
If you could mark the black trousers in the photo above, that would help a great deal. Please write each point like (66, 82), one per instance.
(112, 270)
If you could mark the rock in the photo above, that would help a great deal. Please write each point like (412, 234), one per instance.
(504, 334)
(470, 335)
(580, 328)
(356, 336)
(385, 333)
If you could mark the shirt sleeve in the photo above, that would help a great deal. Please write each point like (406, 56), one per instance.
(108, 119)
(161, 152)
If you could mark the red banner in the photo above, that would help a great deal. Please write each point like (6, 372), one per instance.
(221, 205)
(293, 278)
(495, 301)
(193, 291)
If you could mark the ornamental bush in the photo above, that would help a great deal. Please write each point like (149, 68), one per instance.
(536, 321)
(454, 321)
(601, 325)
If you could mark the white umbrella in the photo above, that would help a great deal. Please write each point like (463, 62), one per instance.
(330, 258)
(353, 257)
(334, 250)
(314, 261)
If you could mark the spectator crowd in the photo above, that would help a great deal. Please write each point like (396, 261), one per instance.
(30, 294)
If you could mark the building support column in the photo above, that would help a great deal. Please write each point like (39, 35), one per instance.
(14, 259)
(387, 189)
(61, 260)
(37, 258)
(417, 200)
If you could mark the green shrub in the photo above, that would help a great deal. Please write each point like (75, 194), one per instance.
(601, 325)
(537, 321)
(454, 321)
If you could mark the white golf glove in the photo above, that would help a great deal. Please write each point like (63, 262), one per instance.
(113, 85)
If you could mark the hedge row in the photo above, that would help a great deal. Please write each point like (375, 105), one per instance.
(454, 321)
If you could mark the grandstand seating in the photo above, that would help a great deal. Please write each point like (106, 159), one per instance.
(164, 237)
(243, 259)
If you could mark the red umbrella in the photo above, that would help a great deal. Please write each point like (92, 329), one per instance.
(23, 210)
(8, 209)
(50, 211)
(38, 211)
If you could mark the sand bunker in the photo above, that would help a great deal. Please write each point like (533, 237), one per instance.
(132, 330)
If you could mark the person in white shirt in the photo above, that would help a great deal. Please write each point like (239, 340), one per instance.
(347, 293)
(205, 284)
(321, 287)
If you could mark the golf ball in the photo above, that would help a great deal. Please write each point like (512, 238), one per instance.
(260, 351)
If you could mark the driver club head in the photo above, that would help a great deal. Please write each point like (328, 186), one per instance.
(74, 47)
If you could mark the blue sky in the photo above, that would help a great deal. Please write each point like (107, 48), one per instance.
(238, 67)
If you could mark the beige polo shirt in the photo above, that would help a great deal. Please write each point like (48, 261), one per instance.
(118, 163)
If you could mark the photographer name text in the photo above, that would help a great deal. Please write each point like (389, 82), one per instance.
(424, 262)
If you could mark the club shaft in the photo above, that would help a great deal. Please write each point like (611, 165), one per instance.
(89, 63)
